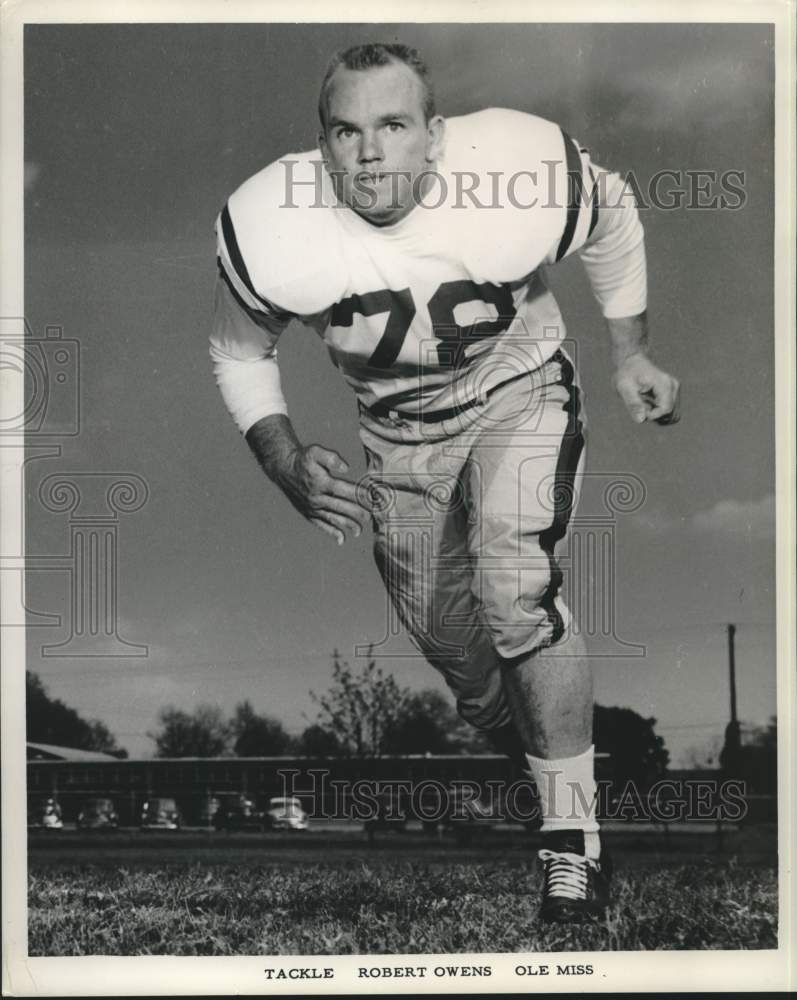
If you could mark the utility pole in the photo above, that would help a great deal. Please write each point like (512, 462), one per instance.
(732, 672)
(730, 758)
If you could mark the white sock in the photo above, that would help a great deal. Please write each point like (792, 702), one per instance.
(568, 793)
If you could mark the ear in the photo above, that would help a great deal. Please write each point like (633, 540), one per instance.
(322, 145)
(435, 137)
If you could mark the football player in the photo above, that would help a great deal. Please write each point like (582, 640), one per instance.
(416, 248)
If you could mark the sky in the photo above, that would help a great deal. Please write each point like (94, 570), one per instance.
(135, 136)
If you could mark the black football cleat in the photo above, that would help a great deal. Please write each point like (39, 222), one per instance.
(574, 886)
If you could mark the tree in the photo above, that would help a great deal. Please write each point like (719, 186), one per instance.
(360, 710)
(637, 753)
(706, 755)
(203, 733)
(369, 713)
(316, 741)
(103, 740)
(756, 759)
(257, 735)
(50, 720)
(761, 758)
(429, 723)
(764, 737)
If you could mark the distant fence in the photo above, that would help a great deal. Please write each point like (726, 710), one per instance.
(320, 783)
(329, 787)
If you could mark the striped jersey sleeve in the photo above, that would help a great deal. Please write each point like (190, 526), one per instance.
(581, 201)
(235, 274)
(602, 225)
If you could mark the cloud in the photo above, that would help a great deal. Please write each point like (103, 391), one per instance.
(752, 518)
(741, 519)
(711, 91)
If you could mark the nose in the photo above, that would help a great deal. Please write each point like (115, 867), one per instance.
(370, 147)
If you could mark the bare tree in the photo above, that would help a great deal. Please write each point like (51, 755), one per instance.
(361, 709)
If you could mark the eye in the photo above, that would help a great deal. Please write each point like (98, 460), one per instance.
(395, 126)
(345, 132)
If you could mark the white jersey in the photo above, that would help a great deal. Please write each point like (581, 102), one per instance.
(432, 311)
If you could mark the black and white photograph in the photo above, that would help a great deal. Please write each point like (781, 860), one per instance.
(398, 499)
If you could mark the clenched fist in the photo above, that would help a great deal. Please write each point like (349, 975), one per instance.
(648, 392)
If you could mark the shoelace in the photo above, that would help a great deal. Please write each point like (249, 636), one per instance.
(566, 874)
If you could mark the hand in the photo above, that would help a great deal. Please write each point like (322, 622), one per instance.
(648, 392)
(313, 480)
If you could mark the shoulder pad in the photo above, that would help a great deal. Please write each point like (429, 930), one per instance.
(288, 236)
(521, 188)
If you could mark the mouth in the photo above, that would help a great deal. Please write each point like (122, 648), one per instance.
(374, 177)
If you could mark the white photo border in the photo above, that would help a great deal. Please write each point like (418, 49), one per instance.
(644, 971)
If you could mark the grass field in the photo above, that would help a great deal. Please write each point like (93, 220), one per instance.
(403, 897)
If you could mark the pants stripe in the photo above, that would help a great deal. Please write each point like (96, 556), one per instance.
(564, 496)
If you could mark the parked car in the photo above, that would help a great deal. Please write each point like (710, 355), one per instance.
(98, 814)
(47, 816)
(286, 814)
(239, 813)
(160, 813)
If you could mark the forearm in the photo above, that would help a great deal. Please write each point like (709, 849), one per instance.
(274, 444)
(628, 335)
(244, 357)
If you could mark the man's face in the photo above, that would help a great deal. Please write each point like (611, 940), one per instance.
(377, 141)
